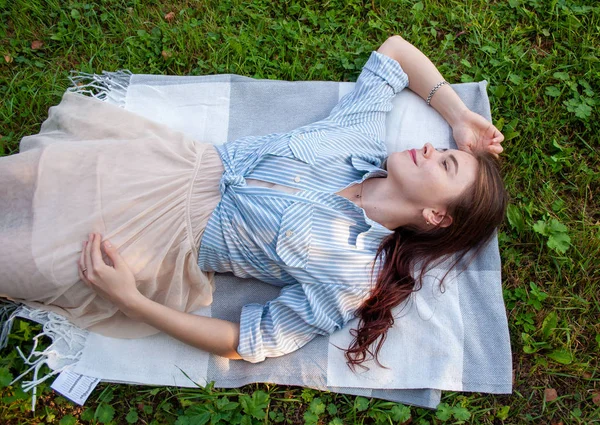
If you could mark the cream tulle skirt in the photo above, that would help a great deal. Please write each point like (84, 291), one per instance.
(95, 167)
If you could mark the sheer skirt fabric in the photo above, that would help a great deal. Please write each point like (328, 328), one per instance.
(95, 167)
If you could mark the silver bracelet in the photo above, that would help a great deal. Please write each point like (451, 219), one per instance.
(433, 90)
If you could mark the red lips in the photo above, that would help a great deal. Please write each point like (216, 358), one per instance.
(413, 155)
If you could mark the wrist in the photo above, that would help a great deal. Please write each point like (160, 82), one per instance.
(450, 106)
(458, 116)
(132, 306)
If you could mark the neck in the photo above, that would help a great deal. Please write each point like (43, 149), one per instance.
(382, 203)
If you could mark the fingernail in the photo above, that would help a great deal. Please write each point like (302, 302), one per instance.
(107, 244)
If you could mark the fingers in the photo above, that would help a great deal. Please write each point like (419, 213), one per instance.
(495, 149)
(498, 137)
(93, 258)
(494, 143)
(88, 257)
(82, 265)
(112, 253)
(97, 261)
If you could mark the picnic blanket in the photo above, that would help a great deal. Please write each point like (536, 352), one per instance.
(453, 337)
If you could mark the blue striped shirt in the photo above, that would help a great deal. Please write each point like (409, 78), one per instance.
(318, 246)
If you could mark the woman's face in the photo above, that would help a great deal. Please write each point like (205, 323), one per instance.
(431, 178)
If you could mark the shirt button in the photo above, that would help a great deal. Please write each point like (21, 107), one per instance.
(297, 179)
(301, 136)
(289, 233)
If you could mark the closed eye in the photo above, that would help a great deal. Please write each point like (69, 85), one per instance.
(446, 164)
(453, 158)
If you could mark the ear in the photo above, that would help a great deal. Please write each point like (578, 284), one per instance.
(436, 218)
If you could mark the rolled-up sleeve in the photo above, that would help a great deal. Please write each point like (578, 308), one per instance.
(366, 106)
(300, 313)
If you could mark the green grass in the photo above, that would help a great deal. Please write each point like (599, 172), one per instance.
(541, 59)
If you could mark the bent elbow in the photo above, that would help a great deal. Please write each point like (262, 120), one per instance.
(393, 47)
(395, 38)
(232, 355)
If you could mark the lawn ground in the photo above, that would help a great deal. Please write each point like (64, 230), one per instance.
(541, 59)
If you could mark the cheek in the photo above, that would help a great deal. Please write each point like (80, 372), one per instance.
(432, 174)
(437, 182)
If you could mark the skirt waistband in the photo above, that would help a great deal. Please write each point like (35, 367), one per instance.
(204, 193)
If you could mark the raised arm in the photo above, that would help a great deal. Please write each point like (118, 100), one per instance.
(470, 130)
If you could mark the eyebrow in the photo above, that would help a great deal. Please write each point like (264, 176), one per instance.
(455, 163)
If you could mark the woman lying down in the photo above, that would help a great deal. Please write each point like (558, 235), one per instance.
(119, 223)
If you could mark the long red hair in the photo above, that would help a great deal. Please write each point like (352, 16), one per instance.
(476, 214)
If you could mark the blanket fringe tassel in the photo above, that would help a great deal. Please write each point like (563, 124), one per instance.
(62, 333)
(8, 311)
(111, 87)
(108, 86)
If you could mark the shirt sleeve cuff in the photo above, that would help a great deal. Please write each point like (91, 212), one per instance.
(250, 347)
(388, 69)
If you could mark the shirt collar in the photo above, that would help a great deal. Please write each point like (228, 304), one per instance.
(365, 162)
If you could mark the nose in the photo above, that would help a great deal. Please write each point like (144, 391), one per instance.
(428, 150)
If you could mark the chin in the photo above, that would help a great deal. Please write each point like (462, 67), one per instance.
(399, 160)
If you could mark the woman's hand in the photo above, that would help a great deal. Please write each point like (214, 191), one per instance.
(111, 279)
(474, 133)
(471, 131)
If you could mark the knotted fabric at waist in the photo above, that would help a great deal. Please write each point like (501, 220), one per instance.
(231, 179)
